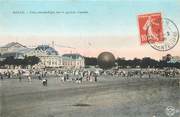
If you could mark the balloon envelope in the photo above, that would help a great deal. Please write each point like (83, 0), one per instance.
(106, 60)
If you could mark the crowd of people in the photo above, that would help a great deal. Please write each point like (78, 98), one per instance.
(82, 75)
(143, 72)
(76, 75)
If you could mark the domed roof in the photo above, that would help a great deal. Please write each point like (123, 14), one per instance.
(48, 49)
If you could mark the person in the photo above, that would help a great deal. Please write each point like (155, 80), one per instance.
(19, 75)
(174, 73)
(1, 75)
(149, 28)
(8, 74)
(20, 78)
(141, 74)
(81, 77)
(65, 76)
(149, 74)
(39, 76)
(95, 77)
(88, 75)
(44, 82)
(62, 78)
(29, 78)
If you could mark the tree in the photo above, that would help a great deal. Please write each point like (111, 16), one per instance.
(148, 62)
(9, 61)
(31, 60)
(91, 61)
(121, 62)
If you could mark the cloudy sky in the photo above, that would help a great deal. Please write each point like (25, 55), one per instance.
(89, 27)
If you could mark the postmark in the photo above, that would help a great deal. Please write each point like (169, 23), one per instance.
(162, 34)
(170, 36)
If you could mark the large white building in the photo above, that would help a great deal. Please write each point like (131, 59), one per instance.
(49, 57)
(73, 60)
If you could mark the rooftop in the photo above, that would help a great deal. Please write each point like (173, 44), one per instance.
(73, 56)
(13, 44)
(48, 49)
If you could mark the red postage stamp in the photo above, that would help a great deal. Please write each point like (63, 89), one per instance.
(150, 28)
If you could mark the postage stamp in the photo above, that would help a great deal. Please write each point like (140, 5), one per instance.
(161, 33)
(150, 28)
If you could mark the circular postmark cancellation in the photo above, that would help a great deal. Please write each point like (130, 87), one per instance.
(168, 36)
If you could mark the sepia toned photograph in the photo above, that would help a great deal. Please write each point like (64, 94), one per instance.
(89, 58)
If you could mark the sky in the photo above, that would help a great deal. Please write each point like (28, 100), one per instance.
(88, 26)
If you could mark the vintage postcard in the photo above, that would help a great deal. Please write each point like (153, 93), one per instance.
(89, 58)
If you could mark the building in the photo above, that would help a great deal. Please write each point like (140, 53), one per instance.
(73, 60)
(49, 57)
(13, 47)
(12, 54)
(171, 59)
(175, 59)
